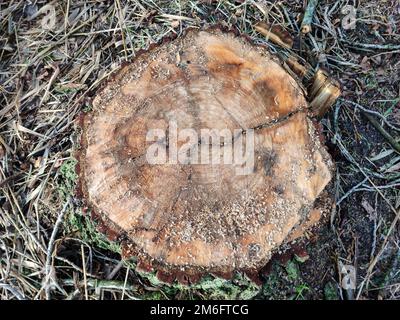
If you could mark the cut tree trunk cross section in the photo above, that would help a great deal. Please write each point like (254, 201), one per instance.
(194, 216)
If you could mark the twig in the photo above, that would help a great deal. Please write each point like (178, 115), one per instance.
(308, 16)
(9, 179)
(125, 282)
(50, 83)
(103, 284)
(373, 46)
(273, 35)
(50, 247)
(370, 112)
(13, 290)
(115, 270)
(383, 132)
(74, 266)
(352, 190)
(84, 272)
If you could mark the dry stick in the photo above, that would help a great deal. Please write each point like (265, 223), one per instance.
(52, 79)
(9, 179)
(352, 190)
(267, 31)
(6, 146)
(4, 272)
(125, 282)
(395, 145)
(51, 246)
(84, 272)
(375, 113)
(13, 290)
(75, 267)
(118, 9)
(115, 270)
(103, 284)
(308, 16)
(373, 46)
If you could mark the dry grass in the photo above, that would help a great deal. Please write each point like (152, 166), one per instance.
(47, 77)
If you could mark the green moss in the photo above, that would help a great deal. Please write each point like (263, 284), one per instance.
(67, 178)
(301, 290)
(208, 287)
(76, 222)
(66, 90)
(285, 281)
(292, 270)
(87, 108)
(330, 292)
(271, 285)
(86, 229)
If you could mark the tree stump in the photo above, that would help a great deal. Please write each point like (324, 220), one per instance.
(194, 217)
